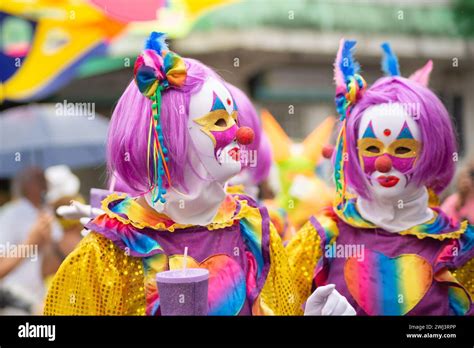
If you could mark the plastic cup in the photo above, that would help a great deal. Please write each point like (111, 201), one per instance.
(183, 292)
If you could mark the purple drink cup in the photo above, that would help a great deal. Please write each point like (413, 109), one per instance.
(183, 292)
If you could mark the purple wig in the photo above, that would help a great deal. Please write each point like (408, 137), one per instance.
(118, 185)
(248, 117)
(264, 160)
(129, 126)
(435, 167)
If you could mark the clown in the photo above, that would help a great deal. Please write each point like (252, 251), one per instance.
(385, 248)
(175, 139)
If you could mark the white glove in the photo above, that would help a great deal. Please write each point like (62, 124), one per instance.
(325, 300)
(78, 210)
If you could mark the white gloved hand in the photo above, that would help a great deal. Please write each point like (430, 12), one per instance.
(326, 300)
(78, 210)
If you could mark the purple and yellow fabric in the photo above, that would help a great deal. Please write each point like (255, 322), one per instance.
(384, 273)
(228, 286)
(248, 266)
(440, 227)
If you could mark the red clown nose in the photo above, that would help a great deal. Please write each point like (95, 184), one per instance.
(327, 151)
(245, 136)
(383, 164)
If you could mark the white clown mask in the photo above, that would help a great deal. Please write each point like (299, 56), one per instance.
(389, 143)
(212, 125)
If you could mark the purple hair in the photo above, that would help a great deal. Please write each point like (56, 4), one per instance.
(120, 186)
(264, 160)
(435, 167)
(248, 117)
(128, 130)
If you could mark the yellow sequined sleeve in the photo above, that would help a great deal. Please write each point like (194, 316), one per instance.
(279, 295)
(303, 254)
(465, 275)
(97, 278)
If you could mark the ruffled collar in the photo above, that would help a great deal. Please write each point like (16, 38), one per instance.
(439, 227)
(126, 210)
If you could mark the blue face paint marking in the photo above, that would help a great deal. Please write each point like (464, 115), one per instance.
(217, 104)
(369, 132)
(405, 133)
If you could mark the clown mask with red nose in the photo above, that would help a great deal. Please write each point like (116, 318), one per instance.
(213, 156)
(213, 129)
(389, 144)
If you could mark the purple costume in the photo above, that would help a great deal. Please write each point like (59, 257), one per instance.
(386, 273)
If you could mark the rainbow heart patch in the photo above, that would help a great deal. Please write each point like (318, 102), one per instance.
(388, 286)
(227, 285)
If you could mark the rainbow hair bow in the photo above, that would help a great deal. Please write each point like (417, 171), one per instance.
(156, 70)
(350, 86)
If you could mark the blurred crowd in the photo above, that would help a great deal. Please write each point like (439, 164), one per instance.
(34, 238)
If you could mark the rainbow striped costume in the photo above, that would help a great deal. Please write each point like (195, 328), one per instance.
(112, 271)
(384, 273)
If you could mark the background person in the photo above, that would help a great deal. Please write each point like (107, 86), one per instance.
(460, 205)
(26, 220)
(63, 187)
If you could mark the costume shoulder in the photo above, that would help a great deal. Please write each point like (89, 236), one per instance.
(457, 254)
(97, 278)
(307, 246)
(465, 275)
(274, 292)
(458, 250)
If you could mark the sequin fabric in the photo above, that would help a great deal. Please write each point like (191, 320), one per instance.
(101, 278)
(97, 278)
(389, 266)
(303, 254)
(465, 275)
(280, 295)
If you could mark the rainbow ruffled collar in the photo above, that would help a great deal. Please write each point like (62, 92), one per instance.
(439, 227)
(126, 210)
